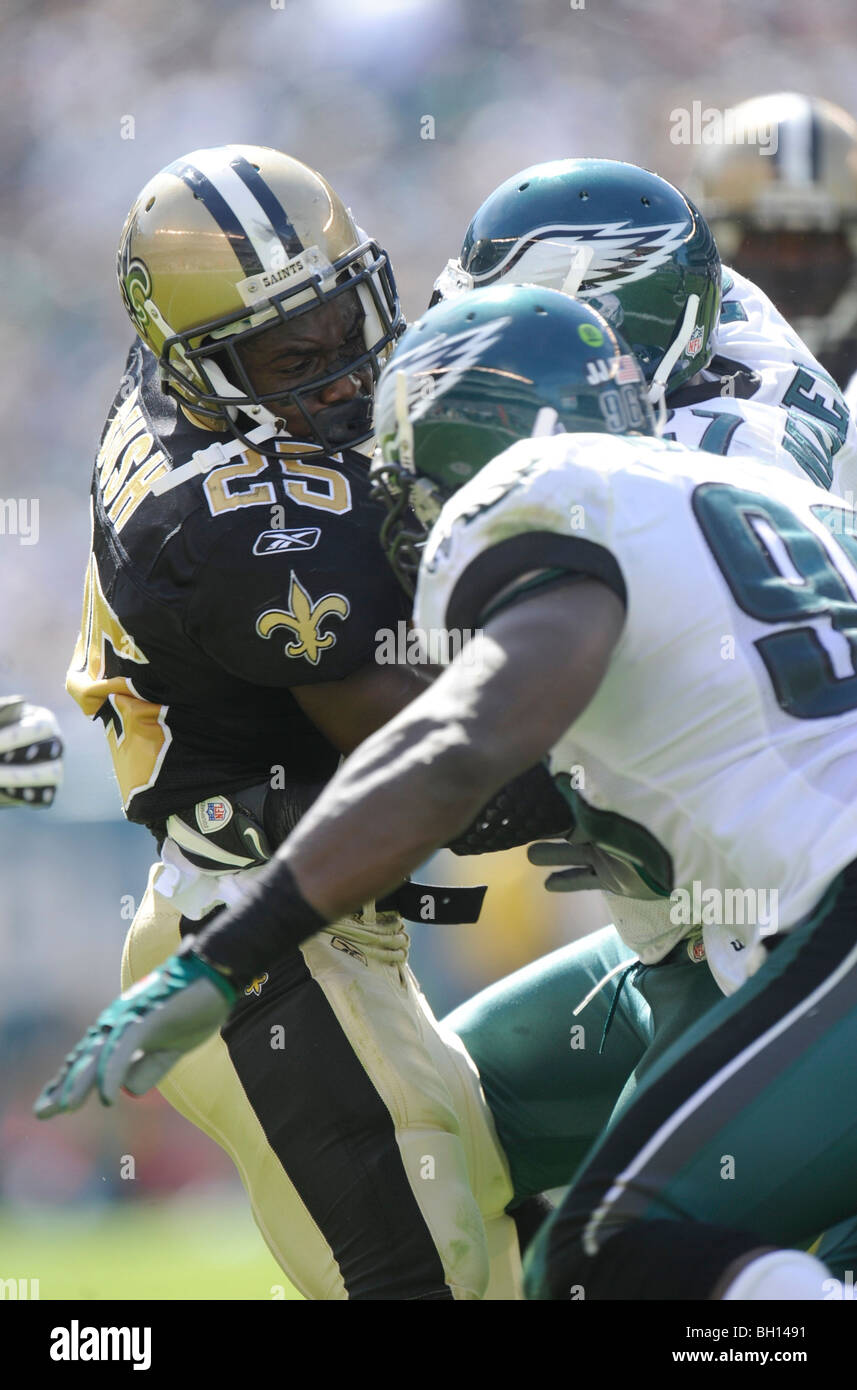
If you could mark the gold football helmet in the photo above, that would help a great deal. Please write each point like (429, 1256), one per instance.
(226, 243)
(787, 218)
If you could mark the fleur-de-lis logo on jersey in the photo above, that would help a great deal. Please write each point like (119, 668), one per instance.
(304, 618)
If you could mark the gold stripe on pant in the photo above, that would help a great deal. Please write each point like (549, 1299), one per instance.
(425, 1078)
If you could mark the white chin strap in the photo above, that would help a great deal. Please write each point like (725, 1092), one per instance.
(404, 428)
(225, 389)
(206, 459)
(659, 412)
(657, 390)
(544, 423)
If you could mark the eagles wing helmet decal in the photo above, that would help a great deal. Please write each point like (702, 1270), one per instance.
(622, 252)
(433, 368)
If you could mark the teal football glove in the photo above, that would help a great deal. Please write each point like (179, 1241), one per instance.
(143, 1033)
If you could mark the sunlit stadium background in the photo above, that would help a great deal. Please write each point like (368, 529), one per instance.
(414, 110)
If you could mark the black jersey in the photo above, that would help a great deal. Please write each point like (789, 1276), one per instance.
(204, 603)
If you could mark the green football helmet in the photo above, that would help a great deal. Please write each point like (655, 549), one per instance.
(472, 377)
(621, 238)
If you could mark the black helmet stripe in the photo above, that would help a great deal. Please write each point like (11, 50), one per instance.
(795, 153)
(225, 217)
(269, 203)
(815, 145)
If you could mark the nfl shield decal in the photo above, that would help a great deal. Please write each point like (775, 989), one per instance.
(694, 344)
(213, 814)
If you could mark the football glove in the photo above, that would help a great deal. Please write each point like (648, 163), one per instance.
(587, 867)
(30, 753)
(143, 1033)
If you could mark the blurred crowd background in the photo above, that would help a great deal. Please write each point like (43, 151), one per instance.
(414, 110)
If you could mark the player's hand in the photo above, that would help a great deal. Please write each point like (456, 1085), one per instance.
(586, 867)
(30, 753)
(143, 1033)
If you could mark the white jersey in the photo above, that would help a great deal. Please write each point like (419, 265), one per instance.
(778, 405)
(851, 396)
(759, 362)
(719, 755)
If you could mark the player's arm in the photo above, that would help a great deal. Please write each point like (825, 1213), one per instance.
(347, 711)
(423, 777)
(312, 629)
(409, 788)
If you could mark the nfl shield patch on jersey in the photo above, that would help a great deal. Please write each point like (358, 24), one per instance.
(213, 814)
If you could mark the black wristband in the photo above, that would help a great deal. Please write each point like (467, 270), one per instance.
(273, 919)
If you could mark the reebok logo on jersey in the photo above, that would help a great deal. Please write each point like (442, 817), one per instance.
(275, 542)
